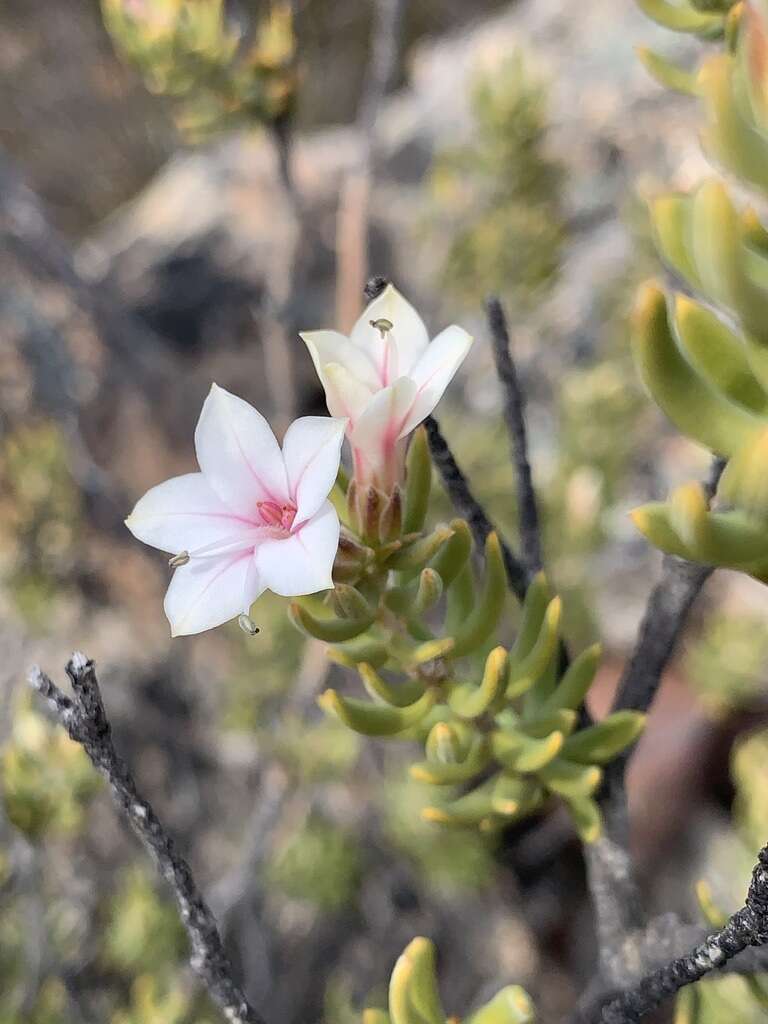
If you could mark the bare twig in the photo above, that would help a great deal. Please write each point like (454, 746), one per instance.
(467, 505)
(514, 417)
(747, 927)
(85, 719)
(610, 870)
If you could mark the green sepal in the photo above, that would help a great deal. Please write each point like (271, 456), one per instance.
(671, 219)
(521, 753)
(576, 681)
(401, 695)
(544, 722)
(516, 797)
(744, 482)
(484, 617)
(570, 779)
(469, 701)
(331, 630)
(718, 354)
(526, 672)
(734, 539)
(653, 521)
(682, 18)
(469, 811)
(510, 1006)
(376, 719)
(454, 554)
(416, 554)
(460, 599)
(682, 394)
(427, 651)
(370, 649)
(448, 742)
(599, 744)
(720, 257)
(535, 604)
(413, 995)
(428, 592)
(670, 75)
(418, 482)
(351, 603)
(586, 817)
(728, 136)
(453, 774)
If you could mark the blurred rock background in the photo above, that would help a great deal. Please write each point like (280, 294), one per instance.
(515, 152)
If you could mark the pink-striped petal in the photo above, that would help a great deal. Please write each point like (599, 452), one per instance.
(302, 563)
(209, 591)
(238, 453)
(312, 451)
(182, 514)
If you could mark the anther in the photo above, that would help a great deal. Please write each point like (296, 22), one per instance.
(383, 325)
(246, 623)
(178, 560)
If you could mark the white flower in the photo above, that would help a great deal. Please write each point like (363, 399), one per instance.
(256, 518)
(385, 379)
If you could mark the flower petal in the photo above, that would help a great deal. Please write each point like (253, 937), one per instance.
(434, 372)
(380, 425)
(332, 347)
(345, 394)
(312, 451)
(182, 514)
(238, 453)
(209, 591)
(302, 563)
(408, 333)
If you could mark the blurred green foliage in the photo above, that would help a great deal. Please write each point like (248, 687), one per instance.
(319, 864)
(40, 513)
(727, 661)
(46, 779)
(142, 930)
(448, 862)
(193, 52)
(153, 1002)
(498, 199)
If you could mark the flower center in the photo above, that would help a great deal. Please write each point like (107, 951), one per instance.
(272, 514)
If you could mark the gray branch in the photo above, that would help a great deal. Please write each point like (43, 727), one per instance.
(747, 927)
(469, 508)
(514, 417)
(85, 719)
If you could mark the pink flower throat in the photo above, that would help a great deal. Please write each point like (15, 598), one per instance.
(273, 514)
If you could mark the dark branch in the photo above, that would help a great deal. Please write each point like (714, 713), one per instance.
(85, 719)
(747, 927)
(469, 507)
(514, 417)
(665, 616)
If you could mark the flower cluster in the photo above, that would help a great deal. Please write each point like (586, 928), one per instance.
(257, 517)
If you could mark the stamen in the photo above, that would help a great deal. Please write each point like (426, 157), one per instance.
(273, 514)
(246, 623)
(178, 560)
(383, 325)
